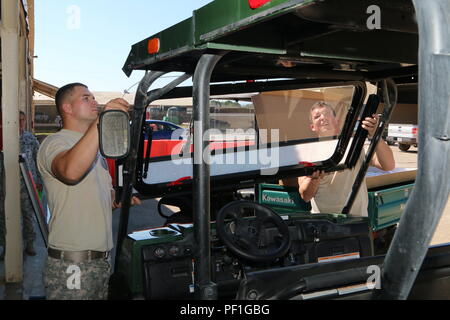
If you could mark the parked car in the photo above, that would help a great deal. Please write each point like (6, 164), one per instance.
(166, 130)
(404, 134)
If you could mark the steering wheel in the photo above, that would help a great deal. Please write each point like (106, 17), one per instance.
(242, 225)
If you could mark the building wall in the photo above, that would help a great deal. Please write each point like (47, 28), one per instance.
(16, 80)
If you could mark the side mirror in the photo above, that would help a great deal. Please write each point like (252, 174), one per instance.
(114, 134)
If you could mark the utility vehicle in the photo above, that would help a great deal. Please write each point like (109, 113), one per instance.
(240, 234)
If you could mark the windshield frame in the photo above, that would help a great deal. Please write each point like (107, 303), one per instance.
(250, 178)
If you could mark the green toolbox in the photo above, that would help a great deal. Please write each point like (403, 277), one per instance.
(387, 205)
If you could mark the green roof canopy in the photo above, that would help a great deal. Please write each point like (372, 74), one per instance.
(331, 39)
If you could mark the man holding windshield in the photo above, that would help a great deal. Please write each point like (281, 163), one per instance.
(328, 193)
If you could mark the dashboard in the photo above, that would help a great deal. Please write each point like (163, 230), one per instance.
(164, 257)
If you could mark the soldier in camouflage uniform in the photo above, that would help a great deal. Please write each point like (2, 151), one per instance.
(79, 194)
(29, 147)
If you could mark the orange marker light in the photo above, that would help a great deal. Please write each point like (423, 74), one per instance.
(153, 46)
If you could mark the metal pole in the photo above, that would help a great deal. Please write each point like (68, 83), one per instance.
(428, 199)
(204, 287)
(10, 104)
(142, 100)
(140, 104)
(390, 100)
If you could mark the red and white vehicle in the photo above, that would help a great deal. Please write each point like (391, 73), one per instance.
(404, 134)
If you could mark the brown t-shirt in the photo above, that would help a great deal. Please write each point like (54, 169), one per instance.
(334, 189)
(81, 215)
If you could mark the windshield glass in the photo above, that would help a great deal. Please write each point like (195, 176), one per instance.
(256, 134)
(303, 114)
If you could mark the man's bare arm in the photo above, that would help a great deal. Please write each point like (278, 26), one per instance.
(383, 158)
(309, 185)
(72, 165)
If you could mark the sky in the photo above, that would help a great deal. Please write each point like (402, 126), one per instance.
(88, 41)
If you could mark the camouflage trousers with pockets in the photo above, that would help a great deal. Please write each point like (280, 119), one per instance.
(88, 280)
(27, 215)
(28, 232)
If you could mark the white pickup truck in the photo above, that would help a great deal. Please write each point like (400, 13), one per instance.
(404, 134)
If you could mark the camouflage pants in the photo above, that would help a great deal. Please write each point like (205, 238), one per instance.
(27, 214)
(65, 280)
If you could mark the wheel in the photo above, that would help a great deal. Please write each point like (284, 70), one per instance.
(390, 142)
(403, 146)
(242, 225)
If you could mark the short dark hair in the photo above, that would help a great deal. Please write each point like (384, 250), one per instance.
(63, 92)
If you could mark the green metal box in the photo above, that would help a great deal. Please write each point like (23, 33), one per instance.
(131, 258)
(387, 205)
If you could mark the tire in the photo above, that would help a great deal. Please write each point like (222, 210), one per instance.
(390, 143)
(403, 146)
